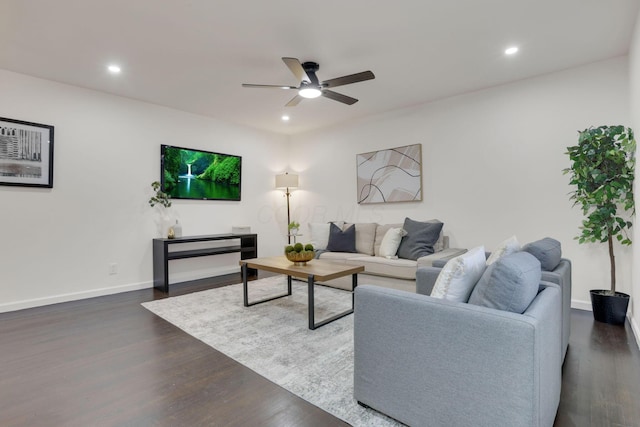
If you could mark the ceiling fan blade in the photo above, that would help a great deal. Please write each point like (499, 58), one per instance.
(351, 78)
(339, 97)
(294, 101)
(296, 68)
(268, 86)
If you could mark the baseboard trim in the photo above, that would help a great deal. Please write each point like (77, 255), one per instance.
(635, 328)
(581, 305)
(74, 296)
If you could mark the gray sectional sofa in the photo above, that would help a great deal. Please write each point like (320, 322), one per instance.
(430, 361)
(393, 272)
(555, 269)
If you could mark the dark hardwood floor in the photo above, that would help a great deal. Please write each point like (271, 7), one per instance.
(107, 361)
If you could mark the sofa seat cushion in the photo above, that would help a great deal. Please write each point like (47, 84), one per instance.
(509, 284)
(339, 257)
(398, 268)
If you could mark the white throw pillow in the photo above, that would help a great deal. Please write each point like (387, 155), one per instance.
(319, 234)
(459, 276)
(507, 247)
(391, 242)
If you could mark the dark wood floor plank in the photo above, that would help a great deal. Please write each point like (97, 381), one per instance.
(109, 362)
(601, 375)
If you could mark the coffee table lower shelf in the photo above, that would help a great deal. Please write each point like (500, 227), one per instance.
(315, 271)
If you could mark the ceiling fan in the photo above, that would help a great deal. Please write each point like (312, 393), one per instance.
(310, 87)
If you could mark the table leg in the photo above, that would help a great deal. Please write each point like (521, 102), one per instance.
(312, 324)
(245, 289)
(354, 284)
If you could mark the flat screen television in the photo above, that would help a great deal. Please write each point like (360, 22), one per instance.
(187, 173)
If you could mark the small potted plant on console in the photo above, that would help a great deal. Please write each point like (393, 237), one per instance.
(294, 228)
(163, 201)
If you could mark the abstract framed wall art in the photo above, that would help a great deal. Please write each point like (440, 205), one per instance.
(392, 175)
(26, 153)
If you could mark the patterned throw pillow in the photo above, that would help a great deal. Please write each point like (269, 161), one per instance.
(507, 247)
(459, 276)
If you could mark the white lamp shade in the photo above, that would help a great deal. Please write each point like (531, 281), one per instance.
(286, 181)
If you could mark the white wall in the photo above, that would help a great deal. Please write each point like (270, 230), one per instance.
(634, 75)
(492, 164)
(57, 243)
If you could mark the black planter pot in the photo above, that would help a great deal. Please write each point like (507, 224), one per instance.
(609, 308)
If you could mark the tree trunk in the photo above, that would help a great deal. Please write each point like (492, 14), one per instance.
(613, 264)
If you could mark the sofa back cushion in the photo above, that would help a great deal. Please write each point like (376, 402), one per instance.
(459, 276)
(420, 239)
(365, 236)
(509, 284)
(342, 240)
(547, 250)
(319, 232)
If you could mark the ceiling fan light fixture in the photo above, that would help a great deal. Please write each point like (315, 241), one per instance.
(511, 50)
(309, 92)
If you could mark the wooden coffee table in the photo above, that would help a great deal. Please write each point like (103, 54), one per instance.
(315, 270)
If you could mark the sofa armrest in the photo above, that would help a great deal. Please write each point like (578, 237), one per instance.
(425, 279)
(427, 361)
(446, 254)
(561, 276)
(439, 263)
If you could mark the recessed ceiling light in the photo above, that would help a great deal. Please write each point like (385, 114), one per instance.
(114, 69)
(511, 50)
(285, 118)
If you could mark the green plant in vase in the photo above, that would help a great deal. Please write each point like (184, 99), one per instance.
(602, 171)
(163, 201)
(294, 228)
(160, 198)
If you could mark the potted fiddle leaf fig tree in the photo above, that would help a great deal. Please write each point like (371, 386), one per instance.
(602, 171)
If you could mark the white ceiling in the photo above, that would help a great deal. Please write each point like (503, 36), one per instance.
(193, 55)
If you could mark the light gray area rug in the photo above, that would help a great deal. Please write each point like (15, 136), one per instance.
(273, 339)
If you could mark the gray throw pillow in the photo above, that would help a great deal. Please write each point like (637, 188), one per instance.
(341, 241)
(547, 250)
(509, 284)
(420, 239)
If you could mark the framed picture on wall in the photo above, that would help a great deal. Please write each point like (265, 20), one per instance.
(26, 153)
(392, 175)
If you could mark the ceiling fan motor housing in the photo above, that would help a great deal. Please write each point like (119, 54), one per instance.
(310, 68)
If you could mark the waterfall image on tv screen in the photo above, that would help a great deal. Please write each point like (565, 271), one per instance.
(197, 174)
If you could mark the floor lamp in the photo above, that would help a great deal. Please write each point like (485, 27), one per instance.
(287, 182)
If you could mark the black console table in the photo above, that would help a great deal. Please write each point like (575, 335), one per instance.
(248, 248)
